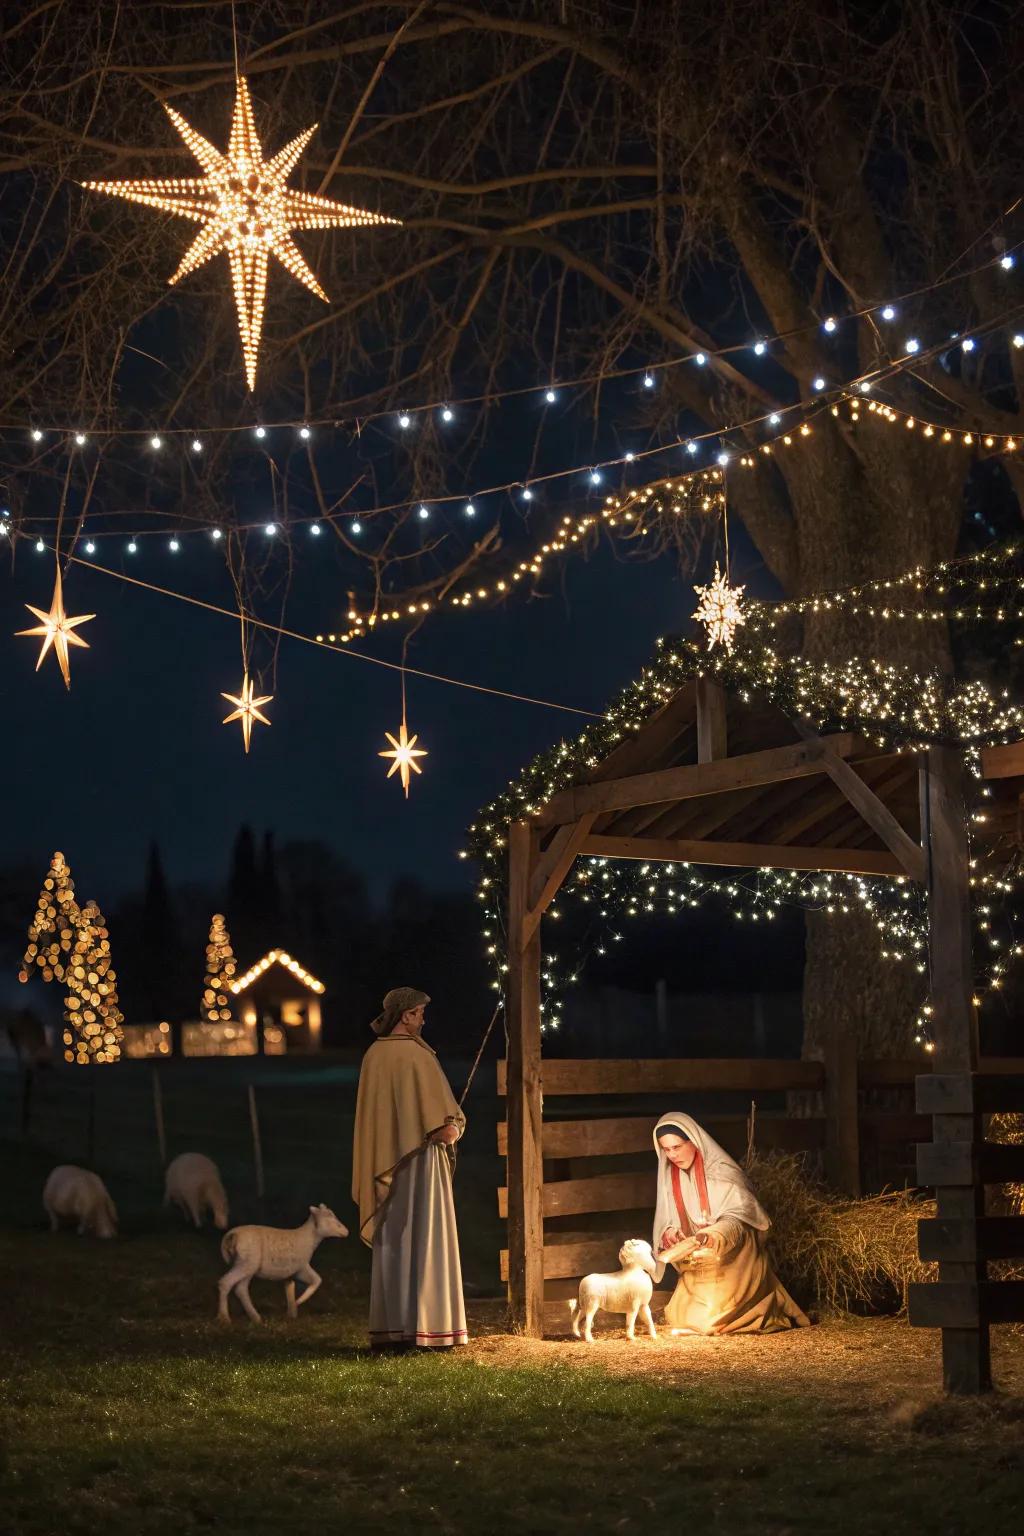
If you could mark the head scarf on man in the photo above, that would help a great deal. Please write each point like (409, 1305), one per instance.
(728, 1189)
(398, 1001)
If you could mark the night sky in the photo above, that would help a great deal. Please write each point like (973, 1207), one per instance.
(136, 750)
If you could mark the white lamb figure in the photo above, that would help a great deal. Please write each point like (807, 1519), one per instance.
(275, 1253)
(194, 1185)
(75, 1194)
(629, 1291)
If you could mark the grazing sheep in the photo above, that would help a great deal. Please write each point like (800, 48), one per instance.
(629, 1291)
(193, 1183)
(82, 1196)
(275, 1253)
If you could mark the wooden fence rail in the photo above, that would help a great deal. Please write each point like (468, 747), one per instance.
(840, 1132)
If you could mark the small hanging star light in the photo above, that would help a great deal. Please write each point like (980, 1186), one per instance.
(246, 210)
(405, 754)
(719, 609)
(58, 630)
(247, 709)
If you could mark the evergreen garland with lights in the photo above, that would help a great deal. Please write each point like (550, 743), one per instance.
(893, 706)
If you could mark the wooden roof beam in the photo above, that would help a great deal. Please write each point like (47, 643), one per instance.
(853, 861)
(655, 737)
(874, 811)
(712, 723)
(1006, 762)
(814, 816)
(775, 765)
(549, 871)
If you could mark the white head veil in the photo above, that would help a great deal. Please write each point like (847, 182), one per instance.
(729, 1192)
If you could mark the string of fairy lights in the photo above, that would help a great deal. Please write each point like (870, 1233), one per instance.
(720, 441)
(218, 212)
(699, 494)
(633, 513)
(894, 707)
(246, 211)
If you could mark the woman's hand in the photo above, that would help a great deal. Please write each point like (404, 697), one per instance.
(447, 1135)
(669, 1238)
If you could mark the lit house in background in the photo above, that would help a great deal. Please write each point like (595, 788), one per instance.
(275, 1007)
(279, 1000)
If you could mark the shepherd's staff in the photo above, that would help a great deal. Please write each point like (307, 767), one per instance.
(387, 1178)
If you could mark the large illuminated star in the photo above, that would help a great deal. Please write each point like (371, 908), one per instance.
(405, 754)
(247, 709)
(57, 630)
(246, 210)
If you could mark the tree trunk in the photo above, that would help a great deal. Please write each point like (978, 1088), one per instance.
(863, 507)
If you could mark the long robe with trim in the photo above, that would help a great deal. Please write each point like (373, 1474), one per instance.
(402, 1183)
(732, 1287)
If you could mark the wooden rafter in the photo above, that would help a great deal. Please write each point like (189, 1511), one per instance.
(853, 861)
(550, 869)
(874, 811)
(774, 765)
(712, 726)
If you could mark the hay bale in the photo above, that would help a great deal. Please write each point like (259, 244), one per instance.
(839, 1255)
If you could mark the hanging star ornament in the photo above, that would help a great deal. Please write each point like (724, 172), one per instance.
(245, 210)
(58, 630)
(719, 610)
(405, 754)
(247, 709)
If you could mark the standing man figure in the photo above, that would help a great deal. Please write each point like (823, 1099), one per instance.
(407, 1121)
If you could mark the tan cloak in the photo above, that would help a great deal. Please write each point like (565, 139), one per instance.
(403, 1096)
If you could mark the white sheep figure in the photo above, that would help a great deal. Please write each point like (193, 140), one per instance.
(629, 1291)
(194, 1184)
(275, 1253)
(75, 1194)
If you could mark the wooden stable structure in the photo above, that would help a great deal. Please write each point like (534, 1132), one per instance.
(710, 779)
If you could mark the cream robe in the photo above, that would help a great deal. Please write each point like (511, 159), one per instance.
(735, 1290)
(402, 1184)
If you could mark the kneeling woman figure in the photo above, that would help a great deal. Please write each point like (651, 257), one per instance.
(711, 1228)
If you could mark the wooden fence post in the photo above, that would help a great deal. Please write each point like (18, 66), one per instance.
(523, 1097)
(966, 1360)
(27, 1084)
(257, 1144)
(158, 1115)
(842, 1123)
(90, 1133)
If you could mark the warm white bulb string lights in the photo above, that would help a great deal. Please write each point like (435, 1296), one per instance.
(347, 414)
(893, 706)
(611, 893)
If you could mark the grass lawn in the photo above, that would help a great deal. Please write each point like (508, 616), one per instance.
(127, 1409)
(124, 1408)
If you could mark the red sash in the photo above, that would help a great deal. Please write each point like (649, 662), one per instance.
(697, 1170)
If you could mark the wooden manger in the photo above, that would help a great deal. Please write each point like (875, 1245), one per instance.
(712, 780)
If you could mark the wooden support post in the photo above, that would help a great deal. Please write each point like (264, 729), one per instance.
(712, 730)
(158, 1116)
(524, 1107)
(257, 1142)
(842, 1124)
(90, 1124)
(27, 1084)
(966, 1361)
